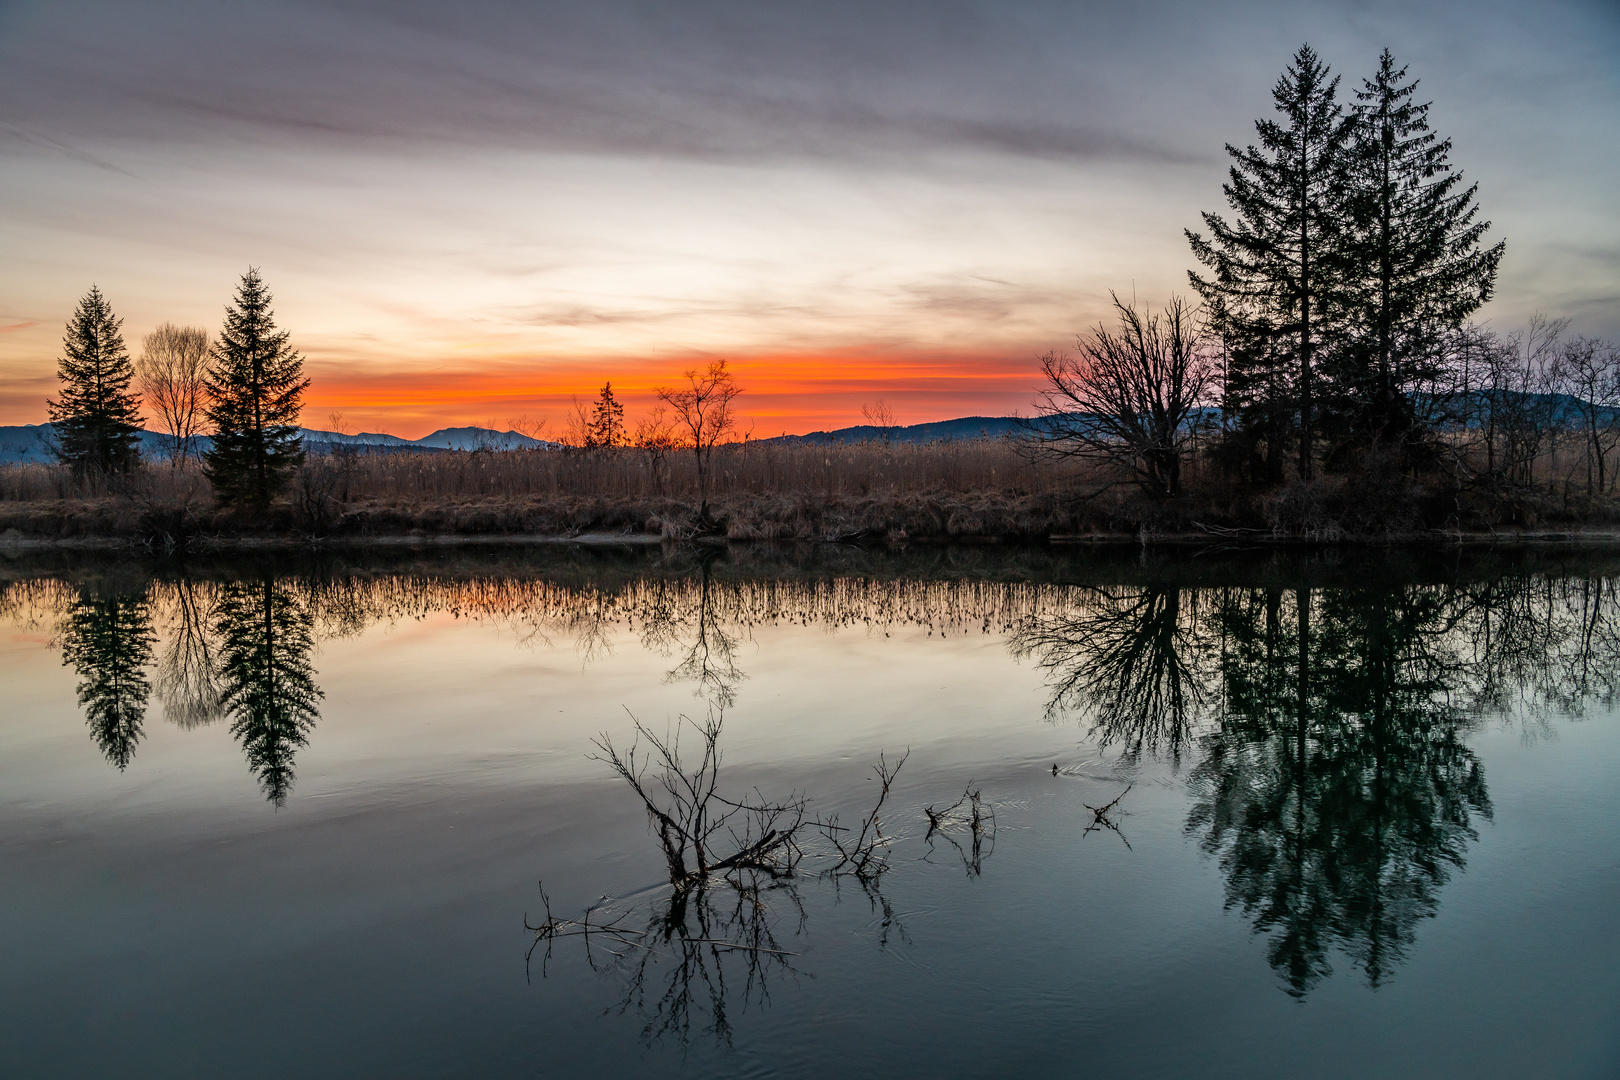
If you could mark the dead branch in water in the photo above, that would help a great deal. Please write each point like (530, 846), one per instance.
(979, 818)
(693, 821)
(1101, 820)
(864, 856)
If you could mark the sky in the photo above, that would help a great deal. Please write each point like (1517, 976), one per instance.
(477, 212)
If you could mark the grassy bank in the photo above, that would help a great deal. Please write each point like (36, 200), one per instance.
(773, 491)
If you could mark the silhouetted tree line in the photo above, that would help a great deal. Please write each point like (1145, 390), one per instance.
(244, 391)
(1333, 332)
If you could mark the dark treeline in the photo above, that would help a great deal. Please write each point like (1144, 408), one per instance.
(1333, 341)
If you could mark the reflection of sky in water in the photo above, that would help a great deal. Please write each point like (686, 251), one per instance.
(169, 913)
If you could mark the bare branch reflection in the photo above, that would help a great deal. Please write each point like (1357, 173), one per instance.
(711, 657)
(712, 940)
(186, 672)
(1128, 659)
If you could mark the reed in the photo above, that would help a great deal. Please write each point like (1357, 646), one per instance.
(775, 490)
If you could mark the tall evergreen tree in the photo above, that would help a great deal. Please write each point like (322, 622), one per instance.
(108, 640)
(1420, 268)
(267, 684)
(96, 419)
(607, 420)
(257, 386)
(1276, 269)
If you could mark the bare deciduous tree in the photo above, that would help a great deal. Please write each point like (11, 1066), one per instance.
(1505, 394)
(173, 371)
(1590, 372)
(655, 437)
(703, 408)
(881, 416)
(1129, 398)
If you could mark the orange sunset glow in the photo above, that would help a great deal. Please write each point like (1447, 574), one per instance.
(786, 393)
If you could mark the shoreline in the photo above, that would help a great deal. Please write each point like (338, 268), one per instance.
(12, 542)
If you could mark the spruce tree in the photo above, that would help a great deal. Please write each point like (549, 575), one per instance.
(1276, 268)
(256, 388)
(607, 420)
(1420, 269)
(96, 420)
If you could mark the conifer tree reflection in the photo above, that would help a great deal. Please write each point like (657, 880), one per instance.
(1336, 790)
(108, 640)
(267, 685)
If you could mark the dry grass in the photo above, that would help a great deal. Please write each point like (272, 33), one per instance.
(967, 488)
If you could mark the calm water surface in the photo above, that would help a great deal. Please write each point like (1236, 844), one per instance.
(1240, 815)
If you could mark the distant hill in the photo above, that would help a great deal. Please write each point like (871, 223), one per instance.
(967, 427)
(32, 442)
(477, 438)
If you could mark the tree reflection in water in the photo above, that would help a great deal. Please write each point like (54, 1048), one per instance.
(267, 684)
(710, 658)
(1321, 717)
(1335, 788)
(1126, 657)
(187, 668)
(108, 640)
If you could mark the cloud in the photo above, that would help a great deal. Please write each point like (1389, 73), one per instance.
(714, 81)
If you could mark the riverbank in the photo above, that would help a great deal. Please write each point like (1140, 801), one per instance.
(983, 490)
(14, 542)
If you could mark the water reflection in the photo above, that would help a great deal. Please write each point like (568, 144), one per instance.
(1128, 658)
(735, 862)
(1335, 789)
(1318, 711)
(186, 671)
(265, 635)
(108, 640)
(710, 659)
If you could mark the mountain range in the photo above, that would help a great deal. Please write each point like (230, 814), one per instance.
(33, 442)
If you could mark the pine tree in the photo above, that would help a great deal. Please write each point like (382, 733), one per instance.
(1273, 293)
(256, 386)
(607, 420)
(96, 419)
(1420, 269)
(267, 684)
(108, 640)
